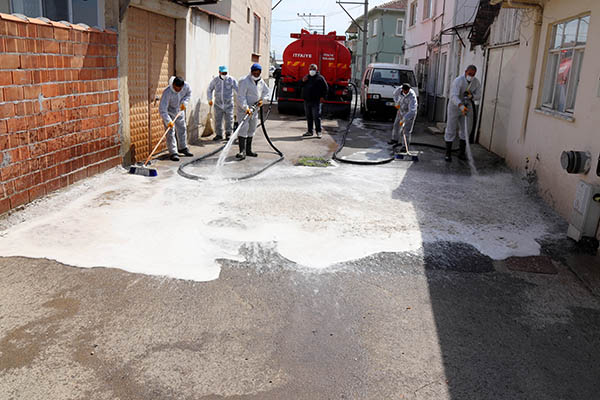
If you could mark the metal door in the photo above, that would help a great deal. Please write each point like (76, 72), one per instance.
(151, 39)
(495, 116)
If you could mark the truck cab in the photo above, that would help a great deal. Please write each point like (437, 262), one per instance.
(378, 85)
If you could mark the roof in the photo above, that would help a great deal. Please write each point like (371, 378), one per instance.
(486, 14)
(214, 14)
(397, 5)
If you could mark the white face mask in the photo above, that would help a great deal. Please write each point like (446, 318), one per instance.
(256, 78)
(469, 78)
(312, 72)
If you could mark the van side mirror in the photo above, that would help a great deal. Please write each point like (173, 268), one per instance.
(367, 81)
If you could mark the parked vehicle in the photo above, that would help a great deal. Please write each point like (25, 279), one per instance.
(334, 62)
(377, 86)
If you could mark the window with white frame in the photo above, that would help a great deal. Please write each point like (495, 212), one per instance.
(256, 47)
(427, 9)
(89, 12)
(399, 27)
(374, 32)
(413, 14)
(563, 64)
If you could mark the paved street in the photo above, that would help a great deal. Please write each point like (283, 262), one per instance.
(400, 281)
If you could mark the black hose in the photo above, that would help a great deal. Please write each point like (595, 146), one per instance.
(343, 141)
(181, 171)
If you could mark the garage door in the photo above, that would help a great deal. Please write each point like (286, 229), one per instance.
(151, 39)
(497, 101)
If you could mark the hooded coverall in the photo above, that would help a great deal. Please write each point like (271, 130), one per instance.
(223, 88)
(250, 92)
(407, 113)
(456, 120)
(169, 106)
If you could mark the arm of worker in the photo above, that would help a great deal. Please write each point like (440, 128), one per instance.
(396, 94)
(412, 108)
(324, 88)
(163, 107)
(455, 94)
(241, 95)
(234, 84)
(264, 92)
(186, 96)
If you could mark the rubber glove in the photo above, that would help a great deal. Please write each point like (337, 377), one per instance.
(210, 102)
(260, 103)
(171, 124)
(463, 109)
(401, 123)
(182, 107)
(248, 111)
(468, 94)
(397, 106)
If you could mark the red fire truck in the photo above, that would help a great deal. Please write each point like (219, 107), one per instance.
(334, 61)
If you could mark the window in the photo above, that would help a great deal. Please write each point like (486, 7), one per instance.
(248, 15)
(396, 77)
(399, 27)
(563, 64)
(375, 27)
(427, 9)
(256, 34)
(396, 59)
(413, 14)
(89, 12)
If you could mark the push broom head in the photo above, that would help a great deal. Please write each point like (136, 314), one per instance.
(136, 170)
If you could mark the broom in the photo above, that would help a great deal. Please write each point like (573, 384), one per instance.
(143, 170)
(208, 126)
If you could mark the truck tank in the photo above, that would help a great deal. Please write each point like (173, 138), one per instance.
(334, 62)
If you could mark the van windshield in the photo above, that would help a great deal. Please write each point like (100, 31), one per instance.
(392, 77)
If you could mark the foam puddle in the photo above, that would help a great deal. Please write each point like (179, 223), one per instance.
(312, 216)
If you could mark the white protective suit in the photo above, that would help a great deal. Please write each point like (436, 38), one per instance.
(456, 120)
(250, 92)
(223, 102)
(407, 112)
(169, 106)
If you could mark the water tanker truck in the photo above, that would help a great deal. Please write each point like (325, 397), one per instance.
(334, 61)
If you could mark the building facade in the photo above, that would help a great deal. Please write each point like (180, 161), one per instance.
(552, 99)
(385, 36)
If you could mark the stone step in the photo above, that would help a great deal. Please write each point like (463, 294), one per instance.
(435, 130)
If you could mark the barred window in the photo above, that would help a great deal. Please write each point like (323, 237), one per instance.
(563, 64)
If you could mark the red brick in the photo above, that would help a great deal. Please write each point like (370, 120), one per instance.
(29, 62)
(19, 199)
(50, 90)
(23, 183)
(10, 172)
(7, 110)
(31, 30)
(37, 191)
(12, 28)
(16, 124)
(58, 104)
(21, 77)
(3, 129)
(32, 92)
(10, 61)
(5, 78)
(46, 32)
(22, 29)
(31, 46)
(51, 46)
(14, 93)
(56, 184)
(61, 34)
(4, 203)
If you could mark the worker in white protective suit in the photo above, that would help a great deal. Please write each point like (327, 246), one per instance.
(406, 103)
(175, 98)
(223, 87)
(252, 90)
(465, 90)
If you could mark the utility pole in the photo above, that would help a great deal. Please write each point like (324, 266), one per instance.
(364, 29)
(309, 23)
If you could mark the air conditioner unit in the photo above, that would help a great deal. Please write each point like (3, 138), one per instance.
(586, 211)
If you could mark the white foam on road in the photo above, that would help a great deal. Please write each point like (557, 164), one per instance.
(315, 217)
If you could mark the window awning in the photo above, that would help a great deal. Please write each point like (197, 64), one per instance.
(486, 14)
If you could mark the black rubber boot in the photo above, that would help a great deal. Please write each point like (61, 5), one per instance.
(217, 138)
(242, 154)
(461, 151)
(185, 152)
(174, 157)
(249, 152)
(448, 152)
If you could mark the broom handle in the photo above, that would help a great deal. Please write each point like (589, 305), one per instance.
(404, 136)
(161, 139)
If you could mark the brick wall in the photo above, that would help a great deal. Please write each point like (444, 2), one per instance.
(59, 107)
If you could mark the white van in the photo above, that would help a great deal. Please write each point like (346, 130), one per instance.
(378, 84)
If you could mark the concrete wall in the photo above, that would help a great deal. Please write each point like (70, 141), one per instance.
(207, 47)
(548, 135)
(59, 107)
(242, 36)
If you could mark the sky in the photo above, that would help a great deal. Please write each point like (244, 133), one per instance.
(285, 19)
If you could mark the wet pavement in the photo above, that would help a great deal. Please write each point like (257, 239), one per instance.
(388, 282)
